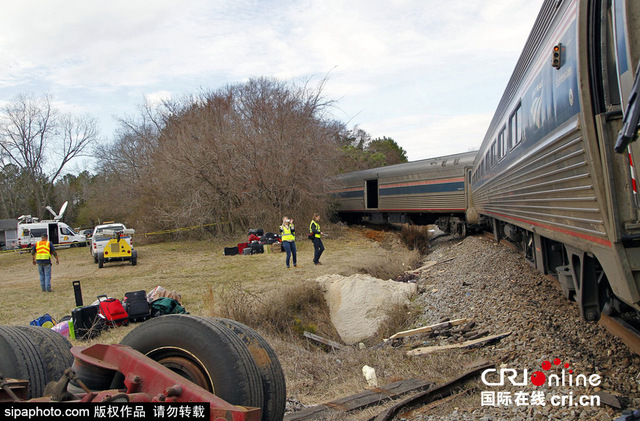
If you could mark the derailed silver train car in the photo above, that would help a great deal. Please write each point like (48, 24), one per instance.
(426, 191)
(546, 175)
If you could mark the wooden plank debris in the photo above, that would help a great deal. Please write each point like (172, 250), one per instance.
(429, 265)
(427, 329)
(360, 400)
(325, 341)
(434, 393)
(430, 349)
(611, 400)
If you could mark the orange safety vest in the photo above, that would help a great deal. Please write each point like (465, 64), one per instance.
(43, 250)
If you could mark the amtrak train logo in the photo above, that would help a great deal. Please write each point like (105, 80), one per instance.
(554, 374)
(536, 106)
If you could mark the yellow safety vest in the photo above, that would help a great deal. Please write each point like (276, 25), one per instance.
(317, 228)
(43, 250)
(287, 235)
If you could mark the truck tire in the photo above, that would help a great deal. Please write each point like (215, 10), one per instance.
(100, 260)
(206, 353)
(266, 360)
(21, 360)
(134, 258)
(54, 350)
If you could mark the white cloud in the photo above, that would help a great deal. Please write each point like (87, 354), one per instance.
(385, 59)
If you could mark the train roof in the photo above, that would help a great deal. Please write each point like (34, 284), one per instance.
(540, 28)
(465, 159)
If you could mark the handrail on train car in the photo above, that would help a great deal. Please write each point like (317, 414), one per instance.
(629, 131)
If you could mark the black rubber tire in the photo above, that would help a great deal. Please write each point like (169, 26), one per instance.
(100, 260)
(268, 365)
(95, 378)
(20, 359)
(224, 360)
(134, 258)
(54, 350)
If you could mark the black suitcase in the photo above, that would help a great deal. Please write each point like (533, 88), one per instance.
(256, 248)
(87, 324)
(136, 305)
(231, 251)
(259, 232)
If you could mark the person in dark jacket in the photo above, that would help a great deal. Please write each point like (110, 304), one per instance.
(288, 234)
(316, 237)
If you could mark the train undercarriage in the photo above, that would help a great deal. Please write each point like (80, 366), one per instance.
(580, 274)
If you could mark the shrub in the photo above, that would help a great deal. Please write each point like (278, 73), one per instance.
(293, 310)
(415, 237)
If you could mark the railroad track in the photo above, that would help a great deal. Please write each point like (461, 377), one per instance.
(628, 334)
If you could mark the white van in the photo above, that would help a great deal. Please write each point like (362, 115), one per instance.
(60, 234)
(30, 231)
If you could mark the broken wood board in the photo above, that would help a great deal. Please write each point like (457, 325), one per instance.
(360, 400)
(611, 400)
(430, 349)
(427, 329)
(325, 341)
(426, 266)
(435, 393)
(434, 404)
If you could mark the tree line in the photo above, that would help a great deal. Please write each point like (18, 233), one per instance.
(240, 156)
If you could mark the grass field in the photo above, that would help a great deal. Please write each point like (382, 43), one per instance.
(190, 267)
(204, 278)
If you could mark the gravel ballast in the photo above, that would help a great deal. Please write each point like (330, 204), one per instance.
(497, 288)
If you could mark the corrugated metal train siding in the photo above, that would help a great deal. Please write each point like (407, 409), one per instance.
(550, 188)
(434, 201)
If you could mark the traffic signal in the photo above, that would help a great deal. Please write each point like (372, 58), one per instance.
(556, 60)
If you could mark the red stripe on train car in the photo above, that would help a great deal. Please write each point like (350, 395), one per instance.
(587, 237)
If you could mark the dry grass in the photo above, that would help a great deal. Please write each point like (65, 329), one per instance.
(257, 290)
(415, 237)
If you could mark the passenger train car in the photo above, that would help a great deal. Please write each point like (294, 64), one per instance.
(546, 175)
(421, 192)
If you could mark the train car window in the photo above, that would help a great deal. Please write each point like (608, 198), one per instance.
(502, 144)
(493, 154)
(515, 128)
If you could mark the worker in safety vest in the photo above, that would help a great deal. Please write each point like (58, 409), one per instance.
(42, 252)
(288, 234)
(316, 234)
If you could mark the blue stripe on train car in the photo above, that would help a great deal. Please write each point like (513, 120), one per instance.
(424, 188)
(349, 194)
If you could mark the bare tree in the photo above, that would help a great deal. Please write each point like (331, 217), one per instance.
(41, 141)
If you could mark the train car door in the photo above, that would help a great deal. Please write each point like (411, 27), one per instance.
(371, 192)
(626, 45)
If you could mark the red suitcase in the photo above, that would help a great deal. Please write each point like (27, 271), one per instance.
(242, 246)
(113, 311)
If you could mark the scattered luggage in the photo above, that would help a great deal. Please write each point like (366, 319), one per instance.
(241, 247)
(259, 232)
(113, 311)
(166, 305)
(87, 323)
(77, 291)
(256, 248)
(45, 321)
(136, 305)
(230, 251)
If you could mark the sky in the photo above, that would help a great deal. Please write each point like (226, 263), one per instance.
(427, 73)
